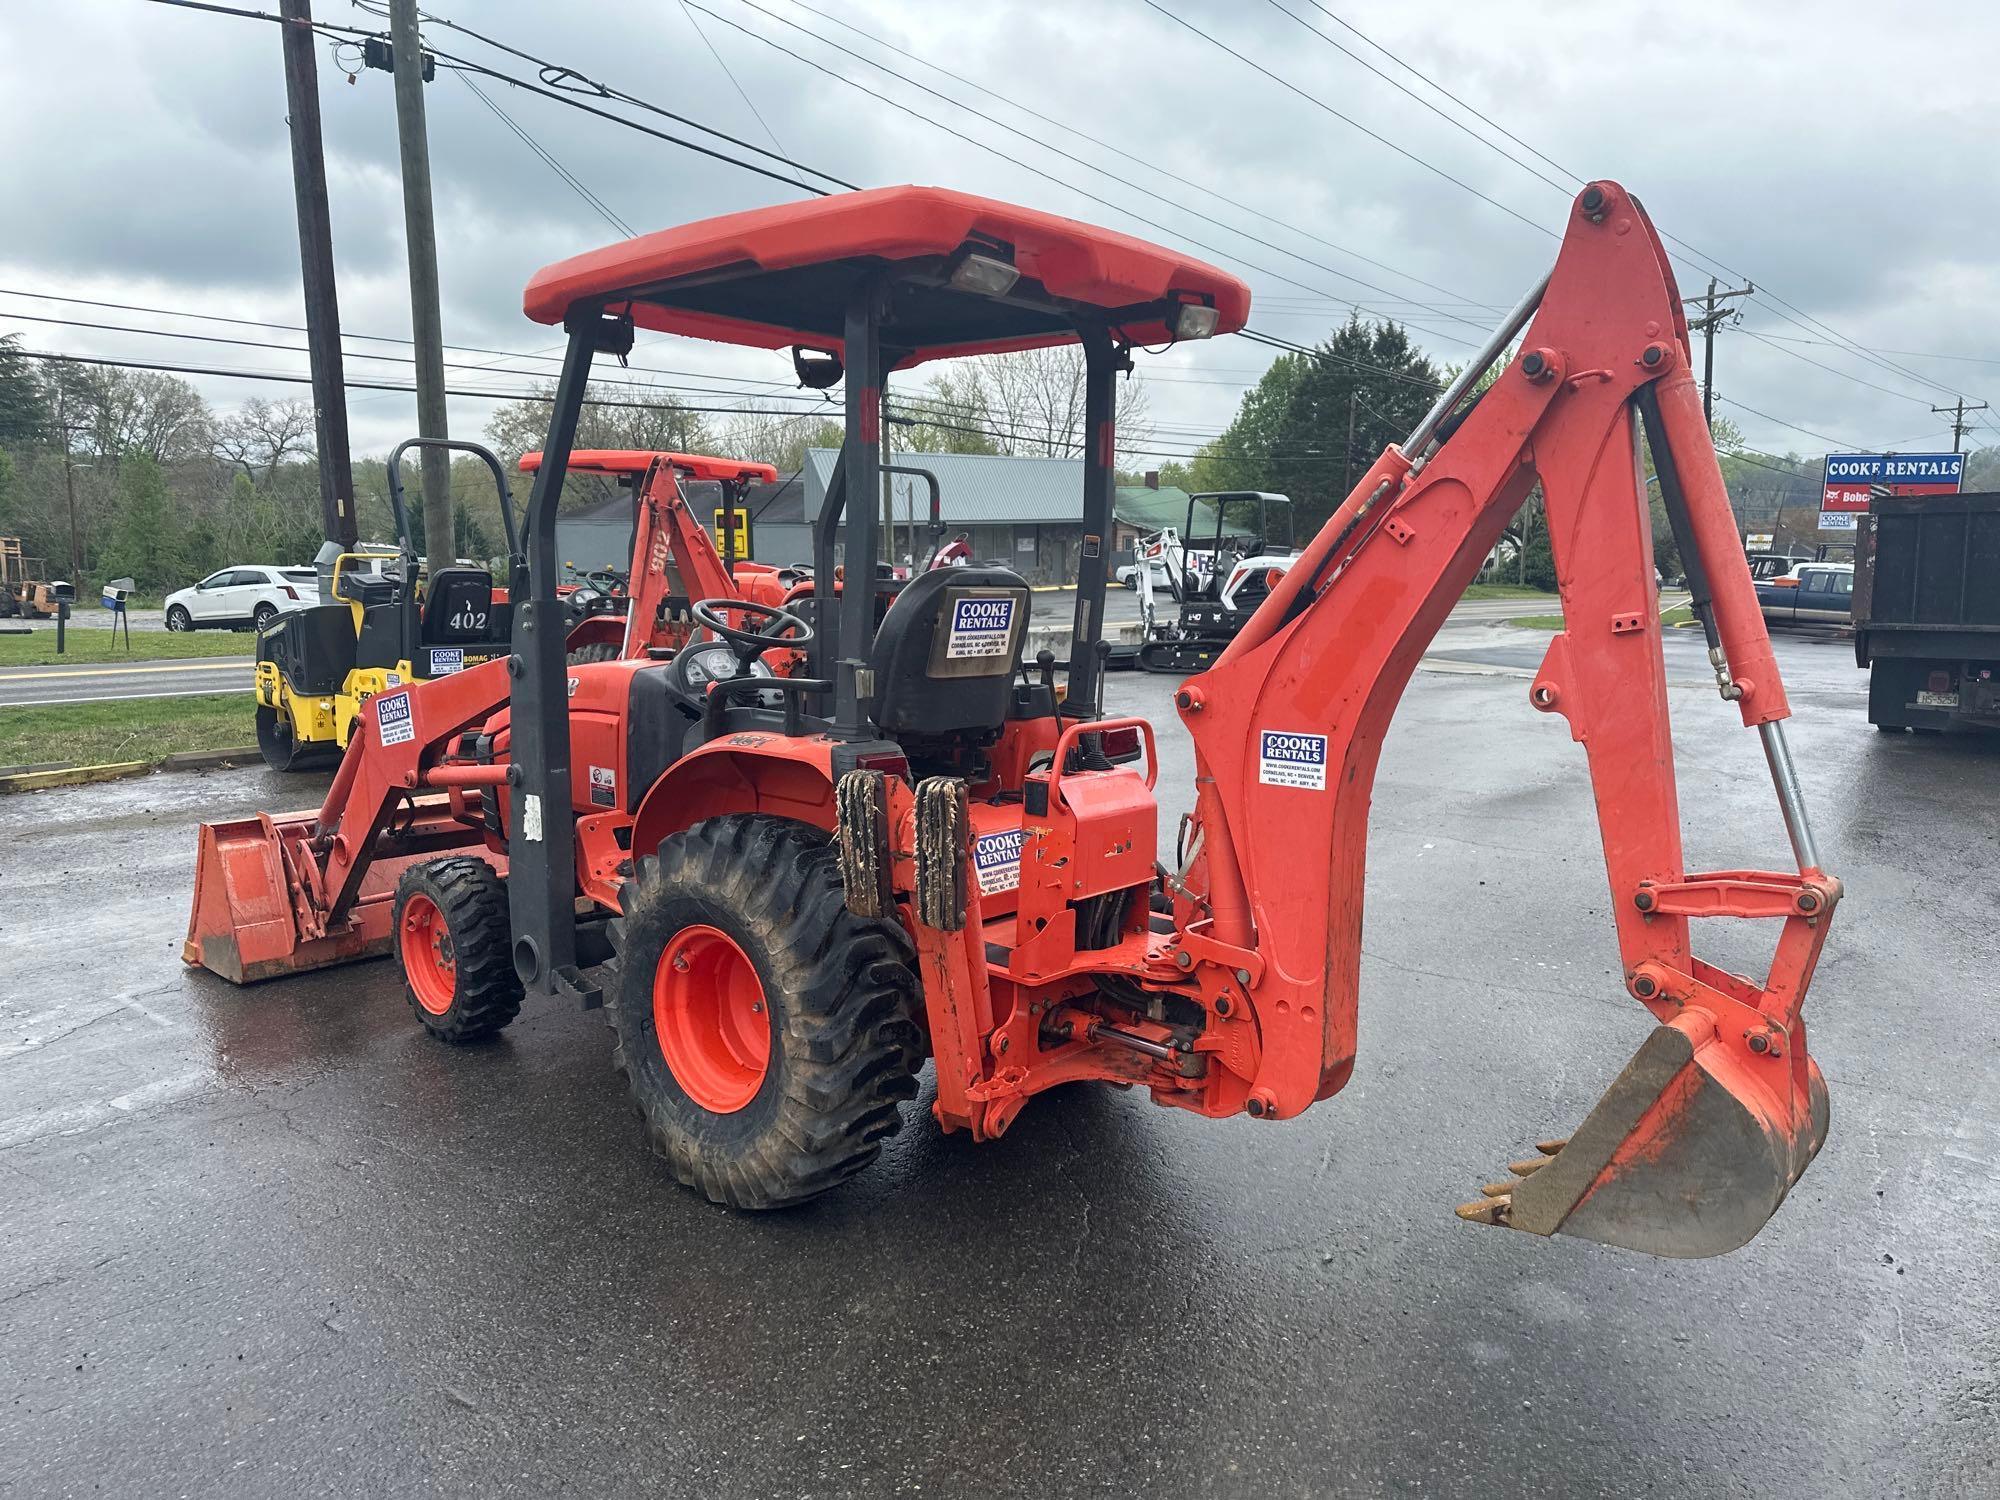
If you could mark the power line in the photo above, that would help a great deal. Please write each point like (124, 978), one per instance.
(1015, 161)
(1564, 188)
(1771, 299)
(728, 73)
(603, 209)
(1349, 121)
(322, 28)
(1176, 177)
(568, 81)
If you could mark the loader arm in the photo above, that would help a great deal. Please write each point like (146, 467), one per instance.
(670, 540)
(1697, 1142)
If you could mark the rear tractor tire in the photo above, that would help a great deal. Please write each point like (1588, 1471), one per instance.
(767, 1033)
(596, 651)
(454, 945)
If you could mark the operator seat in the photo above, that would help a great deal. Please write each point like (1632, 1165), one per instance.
(459, 608)
(946, 652)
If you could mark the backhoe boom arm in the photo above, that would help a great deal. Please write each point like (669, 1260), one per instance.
(1698, 1141)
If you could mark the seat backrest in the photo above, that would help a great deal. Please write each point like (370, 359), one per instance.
(458, 607)
(946, 651)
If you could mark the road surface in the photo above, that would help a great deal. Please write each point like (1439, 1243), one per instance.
(99, 682)
(102, 682)
(278, 1241)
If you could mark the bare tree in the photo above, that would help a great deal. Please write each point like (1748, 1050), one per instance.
(264, 434)
(1029, 403)
(144, 411)
(620, 420)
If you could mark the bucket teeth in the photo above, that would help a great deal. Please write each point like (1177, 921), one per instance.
(1498, 1189)
(1550, 1148)
(1485, 1211)
(1526, 1168)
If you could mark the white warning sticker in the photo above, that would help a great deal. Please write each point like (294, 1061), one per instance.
(996, 860)
(603, 787)
(980, 627)
(393, 725)
(1285, 759)
(531, 818)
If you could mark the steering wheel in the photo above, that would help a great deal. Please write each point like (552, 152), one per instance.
(780, 627)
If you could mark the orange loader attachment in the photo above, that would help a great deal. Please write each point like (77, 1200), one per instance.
(285, 893)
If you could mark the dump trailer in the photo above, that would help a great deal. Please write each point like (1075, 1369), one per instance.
(788, 890)
(1927, 611)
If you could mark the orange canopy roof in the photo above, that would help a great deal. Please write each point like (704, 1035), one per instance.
(775, 276)
(639, 460)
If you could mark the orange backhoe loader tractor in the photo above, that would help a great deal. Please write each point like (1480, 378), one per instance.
(789, 890)
(673, 561)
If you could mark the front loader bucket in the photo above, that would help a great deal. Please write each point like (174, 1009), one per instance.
(1688, 1153)
(246, 923)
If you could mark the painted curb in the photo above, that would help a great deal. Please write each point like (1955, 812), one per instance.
(35, 781)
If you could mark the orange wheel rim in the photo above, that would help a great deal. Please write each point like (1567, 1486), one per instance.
(711, 1020)
(430, 961)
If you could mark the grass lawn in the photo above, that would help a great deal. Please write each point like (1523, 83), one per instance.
(94, 645)
(91, 734)
(1504, 591)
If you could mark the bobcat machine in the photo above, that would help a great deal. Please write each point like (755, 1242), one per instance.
(787, 892)
(1218, 577)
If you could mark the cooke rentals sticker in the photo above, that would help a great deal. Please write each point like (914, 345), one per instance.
(447, 659)
(996, 858)
(1286, 759)
(393, 725)
(980, 627)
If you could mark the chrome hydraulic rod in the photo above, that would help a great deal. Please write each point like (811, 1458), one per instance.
(1791, 800)
(1476, 367)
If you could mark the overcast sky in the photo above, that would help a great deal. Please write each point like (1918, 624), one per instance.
(1838, 154)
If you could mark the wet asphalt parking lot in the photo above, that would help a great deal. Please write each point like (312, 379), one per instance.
(277, 1241)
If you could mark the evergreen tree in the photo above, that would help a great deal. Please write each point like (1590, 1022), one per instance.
(148, 543)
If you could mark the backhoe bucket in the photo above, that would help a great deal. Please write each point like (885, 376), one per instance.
(1688, 1154)
(253, 918)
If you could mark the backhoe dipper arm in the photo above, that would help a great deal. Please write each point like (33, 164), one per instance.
(1697, 1142)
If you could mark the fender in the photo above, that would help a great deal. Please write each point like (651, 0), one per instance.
(755, 771)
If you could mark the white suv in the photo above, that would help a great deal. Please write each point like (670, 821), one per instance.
(235, 597)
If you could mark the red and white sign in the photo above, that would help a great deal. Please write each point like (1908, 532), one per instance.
(1852, 478)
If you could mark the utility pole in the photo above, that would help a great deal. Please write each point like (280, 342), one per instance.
(1714, 312)
(329, 381)
(1347, 459)
(426, 326)
(1959, 426)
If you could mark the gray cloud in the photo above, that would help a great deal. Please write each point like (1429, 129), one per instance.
(1837, 153)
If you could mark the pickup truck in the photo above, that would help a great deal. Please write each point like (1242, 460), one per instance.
(1812, 593)
(1927, 610)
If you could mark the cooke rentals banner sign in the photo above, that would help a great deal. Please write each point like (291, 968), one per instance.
(1851, 478)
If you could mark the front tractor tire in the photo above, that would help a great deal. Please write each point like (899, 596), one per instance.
(453, 943)
(767, 1033)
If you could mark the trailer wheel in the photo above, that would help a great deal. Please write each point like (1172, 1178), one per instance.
(453, 942)
(767, 1033)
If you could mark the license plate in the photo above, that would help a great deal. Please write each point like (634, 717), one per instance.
(1937, 700)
